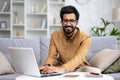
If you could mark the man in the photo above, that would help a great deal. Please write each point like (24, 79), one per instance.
(68, 46)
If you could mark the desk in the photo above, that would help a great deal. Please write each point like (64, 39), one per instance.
(61, 77)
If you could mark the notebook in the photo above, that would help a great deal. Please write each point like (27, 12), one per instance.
(24, 62)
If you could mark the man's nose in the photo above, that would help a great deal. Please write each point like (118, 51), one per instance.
(68, 23)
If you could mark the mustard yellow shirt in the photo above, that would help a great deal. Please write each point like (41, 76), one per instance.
(68, 52)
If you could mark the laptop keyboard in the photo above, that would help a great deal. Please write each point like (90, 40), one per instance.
(52, 74)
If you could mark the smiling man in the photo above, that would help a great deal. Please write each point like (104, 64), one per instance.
(68, 46)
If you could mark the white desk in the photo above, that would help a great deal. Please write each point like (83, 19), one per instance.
(61, 77)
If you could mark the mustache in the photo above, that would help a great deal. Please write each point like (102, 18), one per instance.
(68, 26)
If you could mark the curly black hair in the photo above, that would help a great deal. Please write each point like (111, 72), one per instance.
(67, 10)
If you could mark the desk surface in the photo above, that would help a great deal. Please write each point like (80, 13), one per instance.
(81, 76)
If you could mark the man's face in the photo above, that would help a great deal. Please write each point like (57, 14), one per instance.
(69, 23)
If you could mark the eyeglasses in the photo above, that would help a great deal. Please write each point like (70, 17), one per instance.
(65, 21)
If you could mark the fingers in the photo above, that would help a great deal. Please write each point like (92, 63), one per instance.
(57, 69)
(43, 69)
(47, 69)
(51, 69)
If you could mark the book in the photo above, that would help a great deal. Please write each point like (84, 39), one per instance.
(4, 6)
(43, 24)
(44, 8)
(7, 8)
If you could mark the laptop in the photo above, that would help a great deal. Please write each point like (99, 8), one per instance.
(24, 62)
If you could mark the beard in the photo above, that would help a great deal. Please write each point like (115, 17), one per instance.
(68, 29)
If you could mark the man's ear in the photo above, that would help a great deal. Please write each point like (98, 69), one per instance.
(77, 23)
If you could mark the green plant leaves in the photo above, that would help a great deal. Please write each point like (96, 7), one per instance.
(115, 32)
(96, 31)
(101, 31)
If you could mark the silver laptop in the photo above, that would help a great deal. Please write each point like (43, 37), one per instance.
(24, 62)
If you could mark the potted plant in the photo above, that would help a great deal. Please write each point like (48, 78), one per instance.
(102, 31)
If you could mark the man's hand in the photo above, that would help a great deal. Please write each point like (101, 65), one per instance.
(43, 69)
(51, 69)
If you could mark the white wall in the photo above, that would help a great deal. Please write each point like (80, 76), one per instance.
(91, 12)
